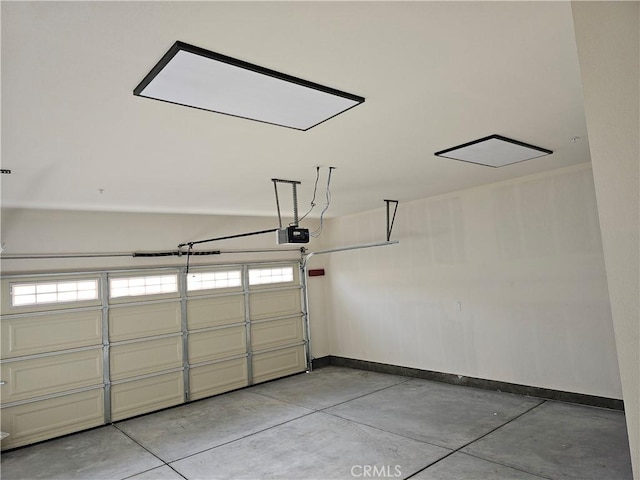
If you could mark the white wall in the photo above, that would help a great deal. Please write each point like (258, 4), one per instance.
(318, 325)
(607, 37)
(61, 231)
(58, 231)
(523, 257)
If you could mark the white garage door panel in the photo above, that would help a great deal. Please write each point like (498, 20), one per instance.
(141, 396)
(33, 422)
(218, 378)
(135, 321)
(50, 333)
(276, 333)
(274, 303)
(279, 363)
(216, 311)
(141, 358)
(51, 374)
(217, 344)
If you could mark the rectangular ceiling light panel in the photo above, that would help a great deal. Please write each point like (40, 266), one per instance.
(195, 77)
(494, 151)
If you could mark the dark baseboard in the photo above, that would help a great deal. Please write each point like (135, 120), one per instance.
(321, 362)
(453, 379)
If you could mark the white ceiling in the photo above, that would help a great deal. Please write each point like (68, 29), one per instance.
(434, 75)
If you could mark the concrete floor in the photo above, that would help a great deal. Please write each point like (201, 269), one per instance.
(340, 423)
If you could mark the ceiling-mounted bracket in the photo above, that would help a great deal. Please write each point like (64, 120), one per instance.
(294, 184)
(389, 219)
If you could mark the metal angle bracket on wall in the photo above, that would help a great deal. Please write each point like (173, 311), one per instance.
(390, 225)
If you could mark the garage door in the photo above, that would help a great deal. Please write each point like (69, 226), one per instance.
(82, 350)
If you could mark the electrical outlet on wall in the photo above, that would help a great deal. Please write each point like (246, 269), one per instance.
(458, 306)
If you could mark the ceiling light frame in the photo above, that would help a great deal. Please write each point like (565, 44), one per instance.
(517, 147)
(252, 86)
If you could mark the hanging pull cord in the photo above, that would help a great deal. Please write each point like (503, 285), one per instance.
(275, 187)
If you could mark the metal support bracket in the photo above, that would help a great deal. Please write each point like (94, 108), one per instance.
(390, 225)
(294, 185)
